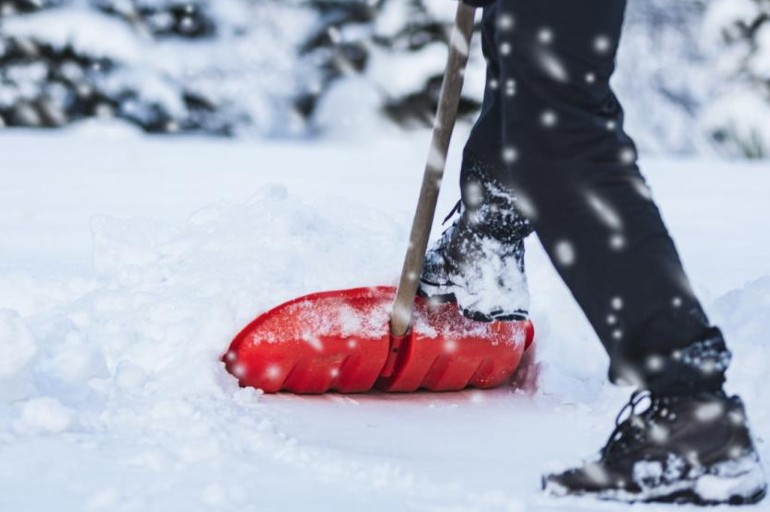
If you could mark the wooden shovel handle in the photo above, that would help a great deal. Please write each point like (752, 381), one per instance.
(449, 102)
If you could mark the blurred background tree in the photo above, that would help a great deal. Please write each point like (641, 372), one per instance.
(738, 118)
(693, 74)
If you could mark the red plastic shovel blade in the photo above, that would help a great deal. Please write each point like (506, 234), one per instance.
(341, 341)
(446, 351)
(331, 340)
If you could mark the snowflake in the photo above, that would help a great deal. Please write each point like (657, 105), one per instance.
(510, 155)
(617, 242)
(602, 44)
(272, 371)
(505, 22)
(549, 119)
(565, 253)
(627, 156)
(510, 87)
(545, 36)
(552, 66)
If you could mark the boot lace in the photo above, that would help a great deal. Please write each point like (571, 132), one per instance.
(630, 431)
(457, 209)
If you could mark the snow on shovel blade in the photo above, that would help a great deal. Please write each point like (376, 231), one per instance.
(341, 341)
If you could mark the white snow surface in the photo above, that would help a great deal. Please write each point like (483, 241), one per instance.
(127, 264)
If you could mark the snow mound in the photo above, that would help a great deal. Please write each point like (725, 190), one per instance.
(171, 296)
(17, 346)
(44, 415)
(742, 314)
(17, 350)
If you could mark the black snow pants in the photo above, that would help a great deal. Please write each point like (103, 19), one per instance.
(551, 132)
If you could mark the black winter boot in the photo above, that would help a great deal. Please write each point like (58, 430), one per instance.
(681, 449)
(479, 260)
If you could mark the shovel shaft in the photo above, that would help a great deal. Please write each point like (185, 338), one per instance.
(449, 102)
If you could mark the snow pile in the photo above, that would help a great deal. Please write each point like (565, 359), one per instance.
(17, 350)
(43, 415)
(743, 315)
(171, 296)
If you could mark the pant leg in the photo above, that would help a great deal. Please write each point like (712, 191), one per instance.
(483, 171)
(567, 155)
(485, 139)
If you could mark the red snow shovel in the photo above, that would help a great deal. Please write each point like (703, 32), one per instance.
(356, 340)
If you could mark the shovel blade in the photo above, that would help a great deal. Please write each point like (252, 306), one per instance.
(341, 341)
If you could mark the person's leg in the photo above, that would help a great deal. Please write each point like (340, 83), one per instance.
(570, 158)
(570, 161)
(479, 260)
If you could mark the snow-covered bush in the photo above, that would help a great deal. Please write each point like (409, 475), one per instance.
(387, 56)
(165, 65)
(738, 120)
(293, 67)
(394, 50)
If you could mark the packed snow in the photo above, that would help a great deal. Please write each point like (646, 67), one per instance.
(127, 265)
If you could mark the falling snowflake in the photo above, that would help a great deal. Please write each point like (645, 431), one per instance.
(436, 159)
(545, 36)
(552, 66)
(239, 370)
(627, 156)
(273, 371)
(643, 189)
(473, 194)
(655, 363)
(510, 87)
(505, 22)
(565, 253)
(605, 211)
(658, 433)
(602, 44)
(549, 118)
(617, 242)
(709, 412)
(510, 155)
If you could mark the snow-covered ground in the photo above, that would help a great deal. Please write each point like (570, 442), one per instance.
(127, 264)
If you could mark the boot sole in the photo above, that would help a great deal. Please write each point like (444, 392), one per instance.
(741, 482)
